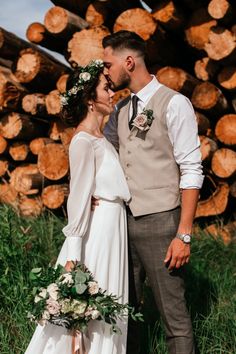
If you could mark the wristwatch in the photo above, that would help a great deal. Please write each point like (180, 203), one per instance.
(186, 238)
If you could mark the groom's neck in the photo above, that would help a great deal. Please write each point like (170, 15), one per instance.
(139, 79)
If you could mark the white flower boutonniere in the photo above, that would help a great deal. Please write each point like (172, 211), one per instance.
(143, 120)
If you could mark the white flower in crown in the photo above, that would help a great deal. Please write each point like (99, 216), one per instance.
(74, 90)
(63, 100)
(99, 62)
(85, 76)
(143, 120)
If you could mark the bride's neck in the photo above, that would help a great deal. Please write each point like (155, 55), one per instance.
(92, 123)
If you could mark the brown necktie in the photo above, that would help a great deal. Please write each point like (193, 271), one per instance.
(135, 110)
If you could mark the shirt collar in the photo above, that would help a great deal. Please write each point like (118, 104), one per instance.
(148, 91)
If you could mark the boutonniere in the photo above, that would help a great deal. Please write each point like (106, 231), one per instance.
(143, 120)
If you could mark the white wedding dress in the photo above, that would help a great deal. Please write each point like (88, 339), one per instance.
(98, 239)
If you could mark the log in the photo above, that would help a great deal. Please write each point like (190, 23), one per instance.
(79, 7)
(205, 69)
(3, 144)
(198, 28)
(233, 189)
(63, 23)
(207, 148)
(53, 161)
(56, 128)
(66, 135)
(38, 34)
(30, 206)
(227, 78)
(8, 194)
(220, 10)
(11, 45)
(223, 163)
(37, 70)
(86, 45)
(225, 232)
(20, 126)
(11, 91)
(215, 204)
(207, 97)
(37, 144)
(203, 124)
(61, 83)
(221, 45)
(4, 165)
(177, 79)
(19, 151)
(54, 196)
(6, 63)
(16, 177)
(225, 129)
(168, 14)
(32, 183)
(35, 104)
(53, 103)
(97, 13)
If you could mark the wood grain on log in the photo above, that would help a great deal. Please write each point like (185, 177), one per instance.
(63, 23)
(53, 103)
(4, 164)
(37, 144)
(167, 13)
(208, 97)
(227, 78)
(30, 206)
(198, 28)
(207, 148)
(11, 91)
(220, 9)
(3, 144)
(86, 45)
(223, 163)
(37, 69)
(8, 194)
(19, 151)
(35, 104)
(97, 13)
(20, 126)
(38, 34)
(215, 204)
(61, 83)
(54, 196)
(56, 128)
(16, 179)
(205, 68)
(177, 79)
(53, 161)
(225, 129)
(221, 44)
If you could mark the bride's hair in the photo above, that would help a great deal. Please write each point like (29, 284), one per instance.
(125, 40)
(80, 88)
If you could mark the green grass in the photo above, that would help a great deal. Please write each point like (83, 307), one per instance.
(211, 286)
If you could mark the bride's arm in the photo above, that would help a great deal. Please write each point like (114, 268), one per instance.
(82, 177)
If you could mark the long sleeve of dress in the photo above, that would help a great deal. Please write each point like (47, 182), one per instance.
(82, 180)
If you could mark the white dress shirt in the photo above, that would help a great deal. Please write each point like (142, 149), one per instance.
(182, 131)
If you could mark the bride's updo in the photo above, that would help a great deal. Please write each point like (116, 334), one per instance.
(80, 88)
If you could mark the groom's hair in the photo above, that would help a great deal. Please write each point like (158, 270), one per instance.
(125, 40)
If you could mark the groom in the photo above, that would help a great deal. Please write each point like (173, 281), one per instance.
(160, 156)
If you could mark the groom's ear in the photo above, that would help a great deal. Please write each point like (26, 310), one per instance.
(130, 63)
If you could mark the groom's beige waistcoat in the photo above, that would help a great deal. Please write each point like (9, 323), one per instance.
(148, 162)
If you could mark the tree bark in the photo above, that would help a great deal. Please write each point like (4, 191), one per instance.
(225, 129)
(227, 78)
(11, 45)
(215, 204)
(79, 7)
(53, 162)
(223, 163)
(54, 196)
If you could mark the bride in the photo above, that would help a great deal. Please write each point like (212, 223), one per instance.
(96, 238)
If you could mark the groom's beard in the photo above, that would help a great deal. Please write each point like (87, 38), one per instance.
(122, 82)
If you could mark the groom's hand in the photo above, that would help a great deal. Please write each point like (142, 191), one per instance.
(178, 254)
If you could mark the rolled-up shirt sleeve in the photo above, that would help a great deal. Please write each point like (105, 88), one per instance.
(82, 180)
(183, 134)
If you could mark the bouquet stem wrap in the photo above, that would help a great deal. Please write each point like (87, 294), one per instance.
(78, 346)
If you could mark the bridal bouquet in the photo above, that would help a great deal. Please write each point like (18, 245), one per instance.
(72, 299)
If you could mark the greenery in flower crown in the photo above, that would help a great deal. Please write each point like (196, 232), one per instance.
(87, 74)
(72, 299)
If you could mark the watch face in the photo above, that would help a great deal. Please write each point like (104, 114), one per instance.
(187, 238)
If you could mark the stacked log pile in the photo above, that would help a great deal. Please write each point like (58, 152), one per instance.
(191, 47)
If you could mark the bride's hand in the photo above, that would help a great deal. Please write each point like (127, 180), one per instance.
(70, 265)
(94, 203)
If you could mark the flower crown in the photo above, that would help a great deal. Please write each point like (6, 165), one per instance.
(89, 72)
